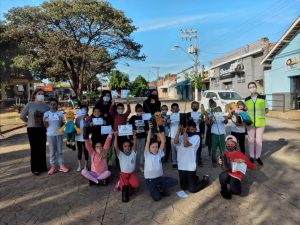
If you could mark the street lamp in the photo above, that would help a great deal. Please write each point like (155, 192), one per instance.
(192, 50)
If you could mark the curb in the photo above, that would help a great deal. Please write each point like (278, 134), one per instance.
(12, 129)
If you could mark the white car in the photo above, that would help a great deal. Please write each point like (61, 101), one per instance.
(221, 97)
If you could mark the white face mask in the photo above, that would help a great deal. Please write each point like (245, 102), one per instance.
(120, 111)
(106, 98)
(138, 113)
(164, 111)
(252, 90)
(40, 98)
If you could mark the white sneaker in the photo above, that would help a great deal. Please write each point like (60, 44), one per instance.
(78, 169)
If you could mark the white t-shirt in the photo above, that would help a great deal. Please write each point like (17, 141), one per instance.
(266, 102)
(153, 166)
(79, 137)
(186, 157)
(196, 117)
(218, 126)
(53, 120)
(173, 127)
(127, 162)
(238, 129)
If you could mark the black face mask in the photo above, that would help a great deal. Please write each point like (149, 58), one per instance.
(152, 96)
(194, 109)
(190, 134)
(231, 148)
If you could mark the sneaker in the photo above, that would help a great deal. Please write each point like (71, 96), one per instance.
(73, 147)
(36, 173)
(78, 169)
(174, 166)
(258, 160)
(251, 160)
(91, 183)
(103, 182)
(52, 170)
(226, 194)
(64, 169)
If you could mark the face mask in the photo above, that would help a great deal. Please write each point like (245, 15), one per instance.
(154, 96)
(120, 111)
(231, 148)
(190, 134)
(106, 98)
(252, 90)
(195, 109)
(40, 98)
(164, 111)
(127, 153)
(83, 112)
(138, 113)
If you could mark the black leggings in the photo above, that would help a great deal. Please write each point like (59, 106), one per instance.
(190, 181)
(235, 184)
(241, 139)
(37, 140)
(81, 149)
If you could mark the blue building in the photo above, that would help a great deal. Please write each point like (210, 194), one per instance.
(282, 71)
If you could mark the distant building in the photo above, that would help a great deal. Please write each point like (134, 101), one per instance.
(164, 87)
(282, 75)
(234, 70)
(104, 84)
(183, 88)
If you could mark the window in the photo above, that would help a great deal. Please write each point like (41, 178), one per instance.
(230, 96)
(241, 78)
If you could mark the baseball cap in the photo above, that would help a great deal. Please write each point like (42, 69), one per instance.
(233, 138)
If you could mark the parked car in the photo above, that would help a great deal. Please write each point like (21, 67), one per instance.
(221, 97)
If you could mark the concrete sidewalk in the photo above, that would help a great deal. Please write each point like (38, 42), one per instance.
(270, 193)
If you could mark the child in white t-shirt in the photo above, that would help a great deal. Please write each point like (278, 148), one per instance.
(81, 123)
(127, 158)
(53, 120)
(187, 147)
(174, 122)
(156, 183)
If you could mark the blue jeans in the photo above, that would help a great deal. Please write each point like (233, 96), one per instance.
(159, 184)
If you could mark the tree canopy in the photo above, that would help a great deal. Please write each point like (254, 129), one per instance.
(139, 86)
(119, 80)
(71, 40)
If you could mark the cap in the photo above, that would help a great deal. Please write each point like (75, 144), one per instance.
(231, 137)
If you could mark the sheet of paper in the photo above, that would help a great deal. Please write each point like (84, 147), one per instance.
(124, 93)
(114, 93)
(124, 130)
(242, 167)
(175, 117)
(219, 115)
(140, 126)
(147, 116)
(181, 194)
(97, 121)
(106, 129)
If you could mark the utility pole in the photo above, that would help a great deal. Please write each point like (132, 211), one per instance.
(157, 68)
(192, 35)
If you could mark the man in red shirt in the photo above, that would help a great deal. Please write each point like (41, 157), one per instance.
(234, 164)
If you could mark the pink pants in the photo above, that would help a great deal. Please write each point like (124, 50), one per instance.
(255, 134)
(90, 175)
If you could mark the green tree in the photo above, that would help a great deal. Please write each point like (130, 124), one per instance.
(139, 86)
(72, 39)
(8, 50)
(118, 80)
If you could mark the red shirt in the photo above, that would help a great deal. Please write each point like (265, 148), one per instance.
(119, 119)
(234, 156)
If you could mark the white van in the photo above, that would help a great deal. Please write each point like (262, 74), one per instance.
(221, 97)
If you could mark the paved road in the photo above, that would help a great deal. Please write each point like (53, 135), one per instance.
(271, 194)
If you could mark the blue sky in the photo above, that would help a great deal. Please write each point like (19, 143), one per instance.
(223, 25)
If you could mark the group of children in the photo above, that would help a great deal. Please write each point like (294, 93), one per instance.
(179, 138)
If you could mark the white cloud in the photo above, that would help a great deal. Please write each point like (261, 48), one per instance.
(172, 22)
